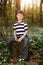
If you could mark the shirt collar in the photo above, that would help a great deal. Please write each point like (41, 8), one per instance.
(20, 22)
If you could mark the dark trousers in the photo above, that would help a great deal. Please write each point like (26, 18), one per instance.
(25, 46)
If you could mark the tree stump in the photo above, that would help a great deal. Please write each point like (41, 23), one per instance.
(17, 49)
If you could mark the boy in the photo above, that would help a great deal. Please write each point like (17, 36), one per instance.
(20, 34)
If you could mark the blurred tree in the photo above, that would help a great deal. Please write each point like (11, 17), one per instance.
(32, 12)
(13, 10)
(41, 13)
(17, 4)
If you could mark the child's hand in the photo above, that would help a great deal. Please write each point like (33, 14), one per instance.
(15, 39)
(19, 40)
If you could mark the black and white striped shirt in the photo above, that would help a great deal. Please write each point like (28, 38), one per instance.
(20, 28)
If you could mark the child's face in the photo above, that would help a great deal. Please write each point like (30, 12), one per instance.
(20, 16)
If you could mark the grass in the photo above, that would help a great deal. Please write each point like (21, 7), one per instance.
(21, 63)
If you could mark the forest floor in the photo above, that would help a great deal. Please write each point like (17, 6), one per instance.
(28, 62)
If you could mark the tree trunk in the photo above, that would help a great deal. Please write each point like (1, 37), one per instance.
(41, 13)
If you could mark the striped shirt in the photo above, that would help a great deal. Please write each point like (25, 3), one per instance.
(20, 28)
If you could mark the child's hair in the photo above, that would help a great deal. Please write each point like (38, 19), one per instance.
(21, 12)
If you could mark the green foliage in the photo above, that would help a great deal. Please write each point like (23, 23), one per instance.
(22, 63)
(36, 39)
(4, 52)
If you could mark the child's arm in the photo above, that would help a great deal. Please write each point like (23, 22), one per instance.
(15, 35)
(14, 29)
(25, 33)
(23, 36)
